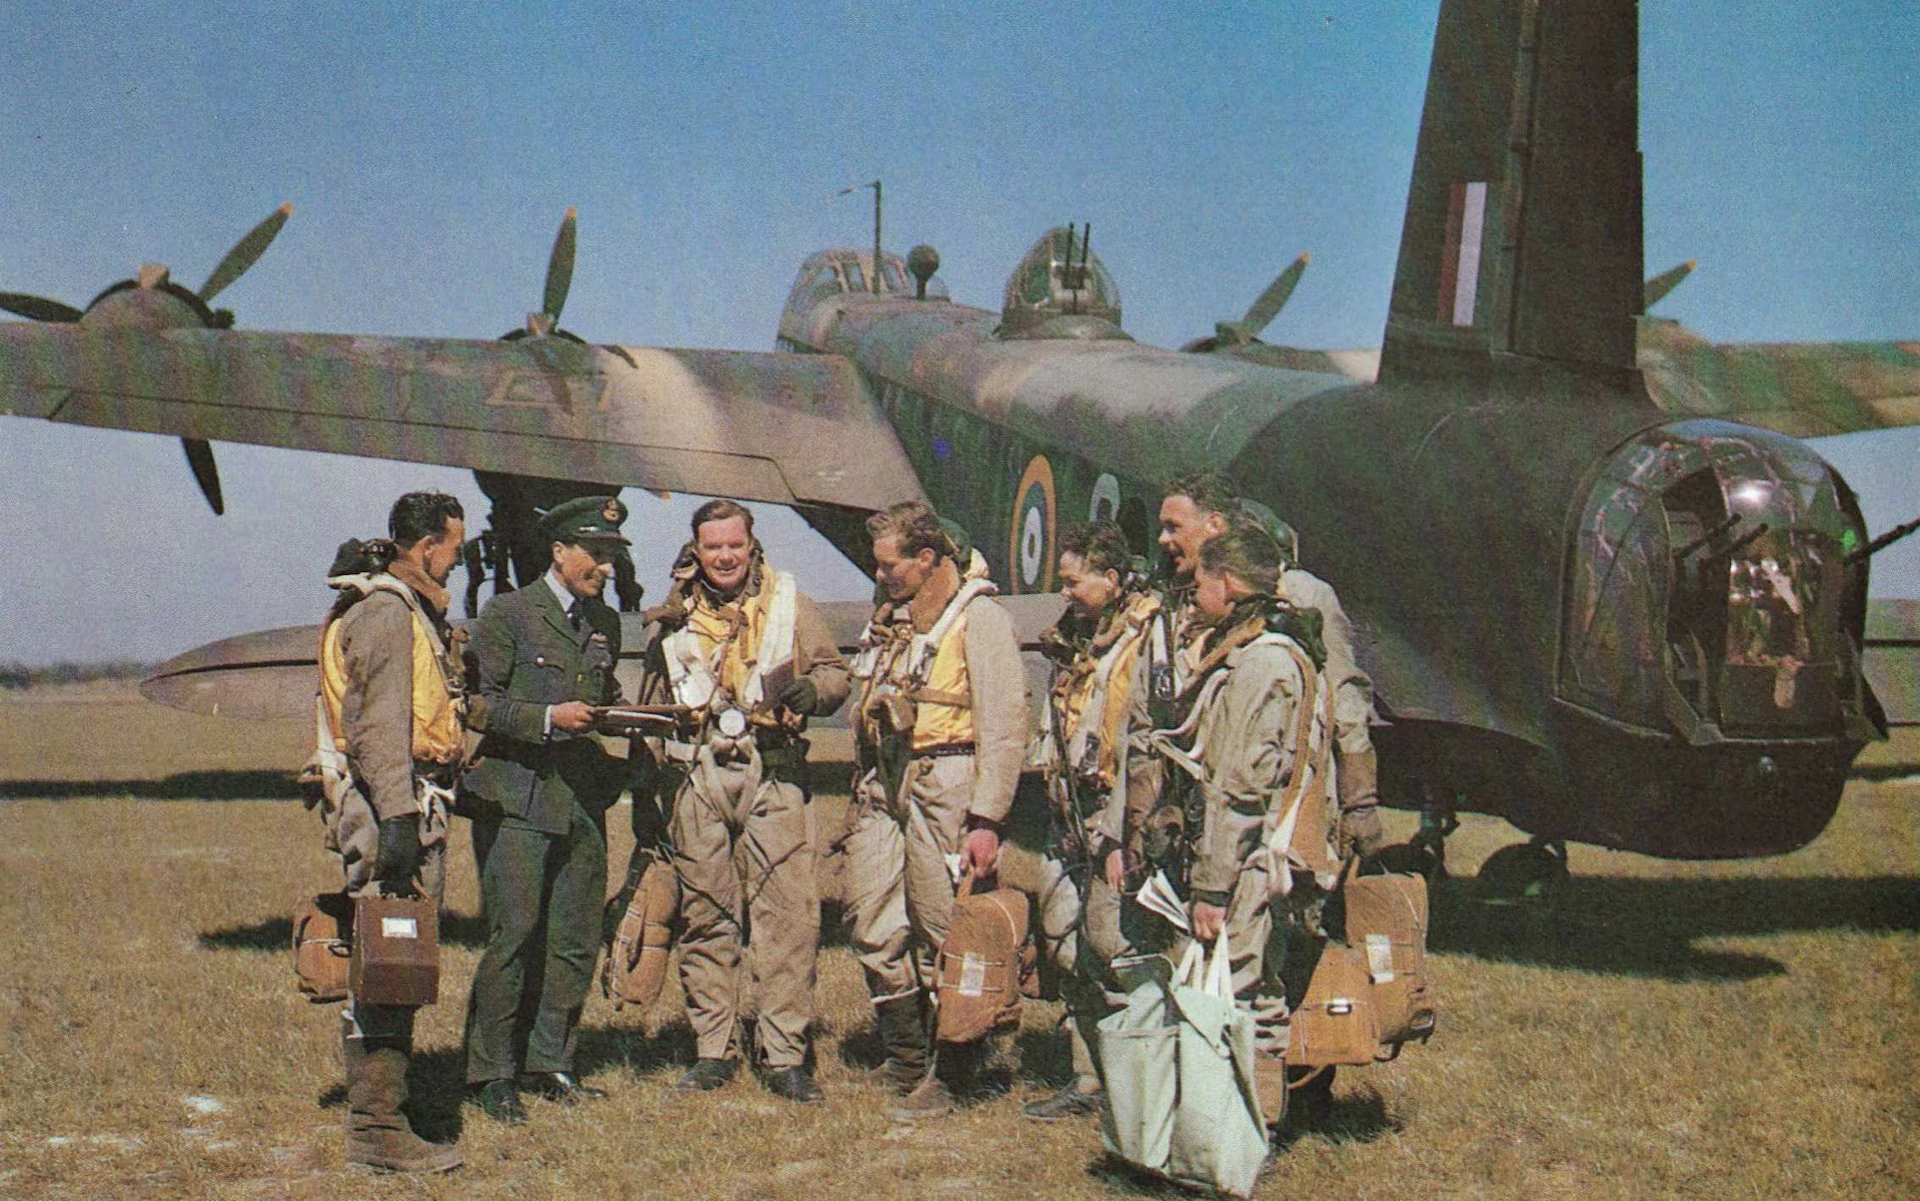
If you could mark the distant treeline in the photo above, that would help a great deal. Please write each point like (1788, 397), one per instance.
(22, 675)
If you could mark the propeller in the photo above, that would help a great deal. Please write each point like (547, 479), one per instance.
(1259, 314)
(553, 297)
(232, 266)
(1656, 289)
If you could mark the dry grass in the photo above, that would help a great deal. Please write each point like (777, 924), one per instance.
(1674, 1030)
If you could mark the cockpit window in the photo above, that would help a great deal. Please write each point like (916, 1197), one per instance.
(856, 278)
(891, 279)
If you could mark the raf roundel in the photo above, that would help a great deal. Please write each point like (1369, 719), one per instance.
(1031, 543)
(1106, 499)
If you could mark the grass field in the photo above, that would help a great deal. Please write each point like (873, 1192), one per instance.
(1673, 1030)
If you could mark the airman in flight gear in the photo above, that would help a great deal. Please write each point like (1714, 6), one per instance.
(1101, 780)
(1249, 772)
(392, 700)
(942, 732)
(1198, 507)
(751, 657)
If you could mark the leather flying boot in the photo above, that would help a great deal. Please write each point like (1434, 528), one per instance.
(706, 1075)
(792, 1084)
(378, 1134)
(931, 1098)
(1077, 1097)
(902, 1022)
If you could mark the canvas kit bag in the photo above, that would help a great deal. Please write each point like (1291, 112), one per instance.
(321, 947)
(1177, 1065)
(981, 965)
(636, 968)
(396, 951)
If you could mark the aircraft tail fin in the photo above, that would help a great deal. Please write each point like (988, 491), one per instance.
(1522, 231)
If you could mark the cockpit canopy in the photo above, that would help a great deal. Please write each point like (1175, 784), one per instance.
(1061, 290)
(842, 272)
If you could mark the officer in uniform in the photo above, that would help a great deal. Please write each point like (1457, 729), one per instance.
(544, 656)
(1097, 719)
(391, 699)
(942, 725)
(1247, 771)
(751, 657)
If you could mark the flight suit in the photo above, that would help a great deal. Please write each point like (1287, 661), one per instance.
(391, 697)
(963, 758)
(539, 799)
(741, 831)
(1247, 730)
(1094, 744)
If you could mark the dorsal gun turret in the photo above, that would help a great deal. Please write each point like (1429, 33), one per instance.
(1061, 290)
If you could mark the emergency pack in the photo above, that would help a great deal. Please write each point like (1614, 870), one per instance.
(980, 967)
(321, 946)
(1369, 995)
(636, 964)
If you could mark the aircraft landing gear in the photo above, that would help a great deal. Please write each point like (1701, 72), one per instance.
(1425, 854)
(1528, 873)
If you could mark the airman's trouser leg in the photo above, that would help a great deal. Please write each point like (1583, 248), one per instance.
(1081, 940)
(377, 1040)
(748, 857)
(900, 888)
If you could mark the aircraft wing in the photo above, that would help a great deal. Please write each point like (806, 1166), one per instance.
(1804, 390)
(790, 429)
(271, 675)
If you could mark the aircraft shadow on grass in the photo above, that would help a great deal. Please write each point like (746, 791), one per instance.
(1649, 927)
(228, 785)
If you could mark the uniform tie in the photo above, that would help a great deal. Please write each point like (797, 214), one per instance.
(576, 615)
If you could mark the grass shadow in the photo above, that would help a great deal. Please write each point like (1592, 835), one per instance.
(1649, 927)
(237, 785)
(1359, 1117)
(276, 934)
(670, 1047)
(1045, 1057)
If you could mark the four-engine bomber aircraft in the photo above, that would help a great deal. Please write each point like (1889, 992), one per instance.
(1606, 613)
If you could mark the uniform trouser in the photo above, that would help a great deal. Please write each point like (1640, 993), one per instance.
(899, 889)
(1256, 951)
(1081, 941)
(743, 849)
(541, 895)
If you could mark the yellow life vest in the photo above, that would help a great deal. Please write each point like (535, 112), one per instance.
(727, 647)
(1101, 678)
(438, 702)
(930, 670)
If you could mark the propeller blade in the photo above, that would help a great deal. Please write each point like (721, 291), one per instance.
(1268, 304)
(205, 473)
(245, 252)
(37, 308)
(560, 269)
(1655, 290)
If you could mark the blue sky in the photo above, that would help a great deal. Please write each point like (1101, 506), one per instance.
(431, 149)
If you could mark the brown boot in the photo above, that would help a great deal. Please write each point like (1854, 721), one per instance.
(903, 1031)
(378, 1134)
(929, 1099)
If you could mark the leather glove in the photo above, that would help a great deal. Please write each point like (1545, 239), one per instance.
(399, 854)
(801, 696)
(1360, 830)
